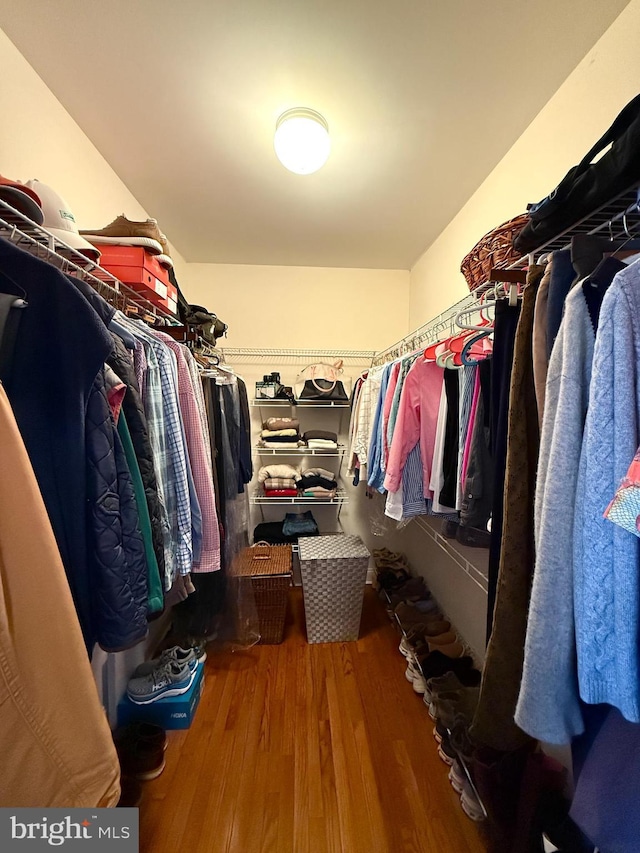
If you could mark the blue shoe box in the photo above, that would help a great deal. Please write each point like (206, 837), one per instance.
(174, 712)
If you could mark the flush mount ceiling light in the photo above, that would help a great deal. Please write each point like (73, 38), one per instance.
(302, 140)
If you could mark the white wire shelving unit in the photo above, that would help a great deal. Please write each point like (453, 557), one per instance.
(23, 232)
(300, 451)
(257, 355)
(303, 404)
(608, 221)
(263, 500)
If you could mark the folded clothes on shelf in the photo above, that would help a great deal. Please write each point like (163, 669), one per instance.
(321, 444)
(321, 434)
(274, 533)
(280, 483)
(280, 445)
(281, 493)
(312, 480)
(281, 423)
(320, 472)
(319, 493)
(282, 439)
(275, 471)
(300, 525)
(279, 433)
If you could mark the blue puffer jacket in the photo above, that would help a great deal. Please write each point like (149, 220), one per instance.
(116, 558)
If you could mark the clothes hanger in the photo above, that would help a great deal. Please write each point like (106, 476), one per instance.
(471, 348)
(22, 299)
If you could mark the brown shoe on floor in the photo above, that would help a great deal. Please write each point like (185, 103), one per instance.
(141, 760)
(130, 793)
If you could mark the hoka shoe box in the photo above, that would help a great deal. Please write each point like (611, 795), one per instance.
(174, 712)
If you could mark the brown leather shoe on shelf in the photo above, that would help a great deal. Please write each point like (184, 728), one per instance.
(436, 628)
(453, 650)
(439, 640)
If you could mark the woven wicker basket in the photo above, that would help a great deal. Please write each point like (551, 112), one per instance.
(494, 250)
(269, 567)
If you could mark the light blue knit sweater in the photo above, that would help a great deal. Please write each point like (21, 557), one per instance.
(607, 558)
(548, 706)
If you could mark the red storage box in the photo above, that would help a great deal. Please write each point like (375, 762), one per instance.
(138, 268)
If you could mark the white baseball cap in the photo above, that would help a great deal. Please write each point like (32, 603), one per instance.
(60, 221)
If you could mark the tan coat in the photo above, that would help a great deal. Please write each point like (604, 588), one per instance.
(55, 743)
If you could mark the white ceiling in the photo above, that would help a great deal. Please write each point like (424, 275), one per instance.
(422, 100)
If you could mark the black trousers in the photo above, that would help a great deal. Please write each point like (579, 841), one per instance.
(451, 439)
(506, 322)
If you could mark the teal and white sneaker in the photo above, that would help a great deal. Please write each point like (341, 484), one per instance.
(189, 656)
(171, 679)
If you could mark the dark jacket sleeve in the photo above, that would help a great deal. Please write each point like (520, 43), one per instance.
(246, 460)
(116, 558)
(139, 430)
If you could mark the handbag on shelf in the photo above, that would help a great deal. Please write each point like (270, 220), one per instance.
(322, 381)
(589, 185)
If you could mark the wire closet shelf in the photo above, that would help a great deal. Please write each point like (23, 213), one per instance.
(21, 231)
(611, 221)
(258, 355)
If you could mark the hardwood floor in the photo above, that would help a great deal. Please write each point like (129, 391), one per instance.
(302, 748)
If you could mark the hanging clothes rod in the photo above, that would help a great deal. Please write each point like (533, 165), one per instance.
(610, 220)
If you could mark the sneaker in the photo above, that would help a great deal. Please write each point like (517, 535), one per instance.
(449, 529)
(439, 640)
(470, 803)
(409, 672)
(419, 683)
(452, 681)
(446, 752)
(473, 537)
(141, 761)
(451, 650)
(126, 232)
(436, 663)
(457, 777)
(175, 653)
(415, 677)
(456, 705)
(172, 679)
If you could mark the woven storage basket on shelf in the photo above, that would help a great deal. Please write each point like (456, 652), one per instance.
(334, 574)
(269, 567)
(495, 249)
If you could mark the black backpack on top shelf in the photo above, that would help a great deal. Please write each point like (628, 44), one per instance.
(588, 186)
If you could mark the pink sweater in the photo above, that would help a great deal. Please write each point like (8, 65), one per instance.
(417, 421)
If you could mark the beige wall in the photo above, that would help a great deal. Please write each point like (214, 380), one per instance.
(303, 307)
(264, 306)
(41, 140)
(576, 116)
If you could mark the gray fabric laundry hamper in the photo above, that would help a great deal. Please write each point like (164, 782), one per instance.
(334, 574)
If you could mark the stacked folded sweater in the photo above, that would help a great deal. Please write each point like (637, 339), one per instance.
(279, 481)
(281, 433)
(320, 439)
(317, 483)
